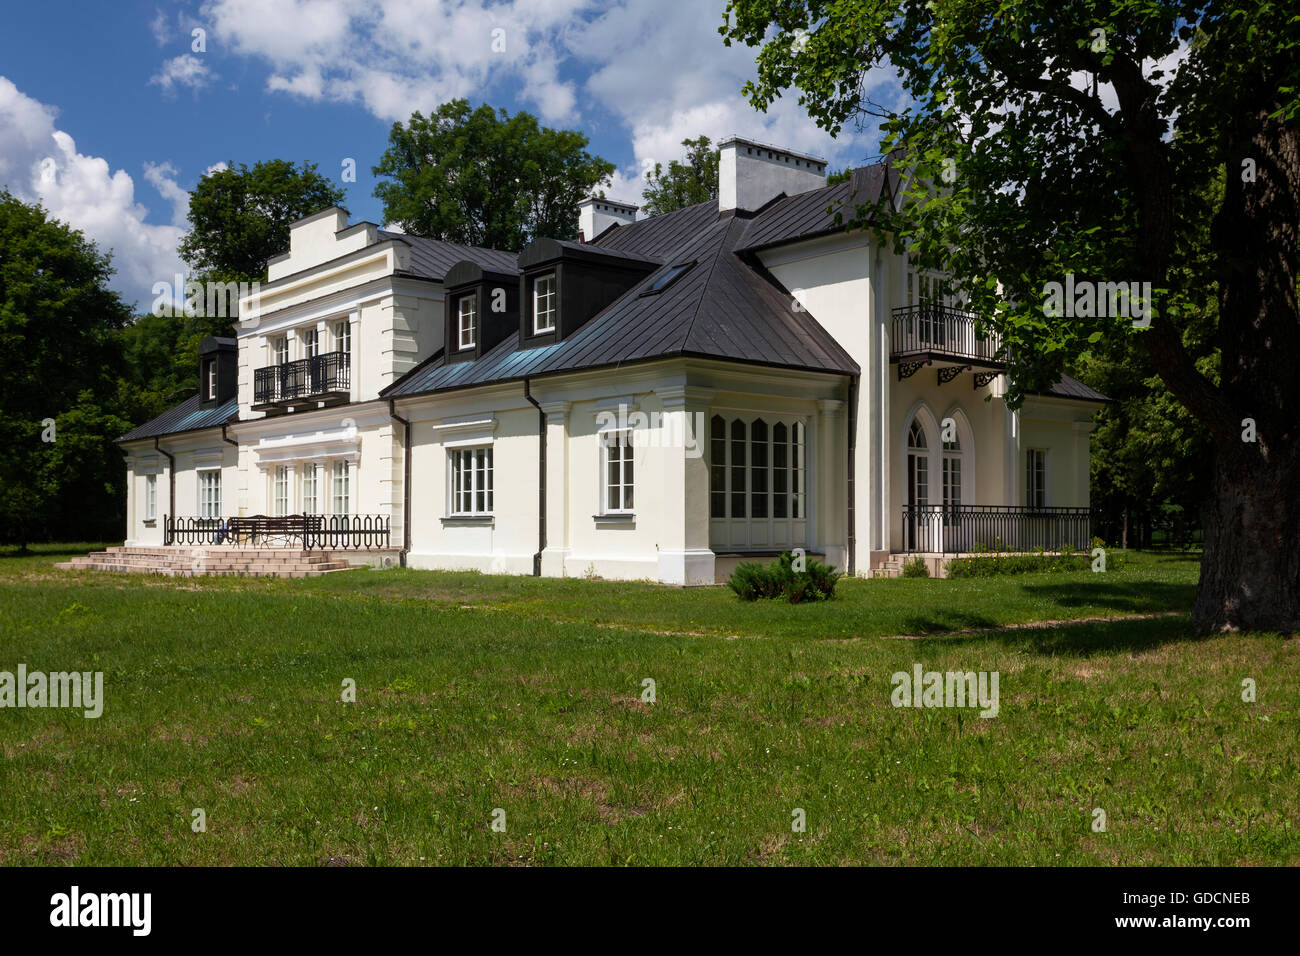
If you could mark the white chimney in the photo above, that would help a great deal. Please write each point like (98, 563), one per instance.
(596, 215)
(751, 174)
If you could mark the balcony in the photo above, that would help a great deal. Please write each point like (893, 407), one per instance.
(960, 529)
(321, 378)
(930, 334)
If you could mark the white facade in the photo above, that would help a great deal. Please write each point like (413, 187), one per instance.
(710, 437)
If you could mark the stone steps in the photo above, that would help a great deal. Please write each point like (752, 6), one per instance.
(214, 561)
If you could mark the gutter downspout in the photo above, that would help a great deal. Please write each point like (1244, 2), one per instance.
(852, 472)
(171, 485)
(406, 478)
(541, 481)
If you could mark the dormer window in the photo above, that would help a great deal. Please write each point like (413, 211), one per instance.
(467, 313)
(544, 308)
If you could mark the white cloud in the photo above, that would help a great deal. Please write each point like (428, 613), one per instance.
(162, 176)
(396, 56)
(186, 70)
(40, 163)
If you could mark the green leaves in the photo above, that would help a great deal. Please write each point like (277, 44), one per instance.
(485, 178)
(684, 184)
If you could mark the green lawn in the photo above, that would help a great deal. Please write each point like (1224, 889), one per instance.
(482, 692)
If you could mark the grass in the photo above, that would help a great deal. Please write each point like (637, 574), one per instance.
(479, 692)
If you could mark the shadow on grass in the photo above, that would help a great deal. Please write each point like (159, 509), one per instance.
(1133, 597)
(57, 550)
(1126, 635)
(940, 622)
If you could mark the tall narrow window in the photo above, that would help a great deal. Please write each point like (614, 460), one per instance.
(311, 343)
(210, 493)
(780, 470)
(798, 508)
(211, 380)
(342, 487)
(343, 340)
(1036, 478)
(468, 316)
(738, 459)
(310, 488)
(280, 348)
(918, 467)
(544, 304)
(617, 471)
(717, 467)
(281, 490)
(758, 469)
(471, 481)
(150, 497)
(951, 474)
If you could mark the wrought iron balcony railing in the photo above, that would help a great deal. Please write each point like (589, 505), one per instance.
(929, 331)
(935, 529)
(321, 376)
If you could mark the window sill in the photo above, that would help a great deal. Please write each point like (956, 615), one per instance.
(150, 522)
(468, 520)
(614, 519)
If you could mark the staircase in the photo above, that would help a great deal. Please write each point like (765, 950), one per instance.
(892, 567)
(194, 562)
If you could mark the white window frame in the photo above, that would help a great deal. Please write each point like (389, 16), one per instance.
(1032, 475)
(310, 343)
(280, 482)
(310, 479)
(280, 350)
(622, 493)
(343, 338)
(470, 477)
(212, 379)
(552, 310)
(150, 497)
(209, 480)
(341, 471)
(466, 332)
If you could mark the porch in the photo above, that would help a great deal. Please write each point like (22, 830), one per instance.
(311, 532)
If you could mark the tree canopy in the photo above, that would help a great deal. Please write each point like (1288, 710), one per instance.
(1049, 142)
(485, 178)
(683, 183)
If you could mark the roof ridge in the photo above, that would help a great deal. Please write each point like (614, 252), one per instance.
(723, 249)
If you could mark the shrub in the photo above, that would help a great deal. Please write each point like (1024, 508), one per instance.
(814, 582)
(916, 567)
(984, 567)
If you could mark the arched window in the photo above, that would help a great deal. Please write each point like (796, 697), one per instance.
(916, 435)
(952, 473)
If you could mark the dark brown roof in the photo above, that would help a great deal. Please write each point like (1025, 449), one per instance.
(1069, 387)
(818, 212)
(431, 258)
(722, 308)
(186, 417)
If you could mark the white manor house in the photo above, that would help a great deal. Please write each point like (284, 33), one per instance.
(659, 400)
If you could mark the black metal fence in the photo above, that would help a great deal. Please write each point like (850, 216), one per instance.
(940, 330)
(974, 528)
(320, 375)
(315, 532)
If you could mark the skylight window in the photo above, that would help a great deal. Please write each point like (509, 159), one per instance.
(668, 278)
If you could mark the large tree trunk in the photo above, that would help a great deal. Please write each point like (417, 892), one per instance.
(1250, 570)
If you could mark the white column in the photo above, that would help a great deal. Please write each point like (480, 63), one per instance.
(557, 488)
(684, 553)
(830, 509)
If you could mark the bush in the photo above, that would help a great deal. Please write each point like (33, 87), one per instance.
(984, 567)
(916, 568)
(814, 582)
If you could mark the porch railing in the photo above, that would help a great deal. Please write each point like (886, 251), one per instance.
(324, 374)
(316, 532)
(932, 329)
(973, 528)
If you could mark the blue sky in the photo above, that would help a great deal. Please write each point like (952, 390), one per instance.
(108, 114)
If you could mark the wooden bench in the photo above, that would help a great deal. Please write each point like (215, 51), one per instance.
(281, 529)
